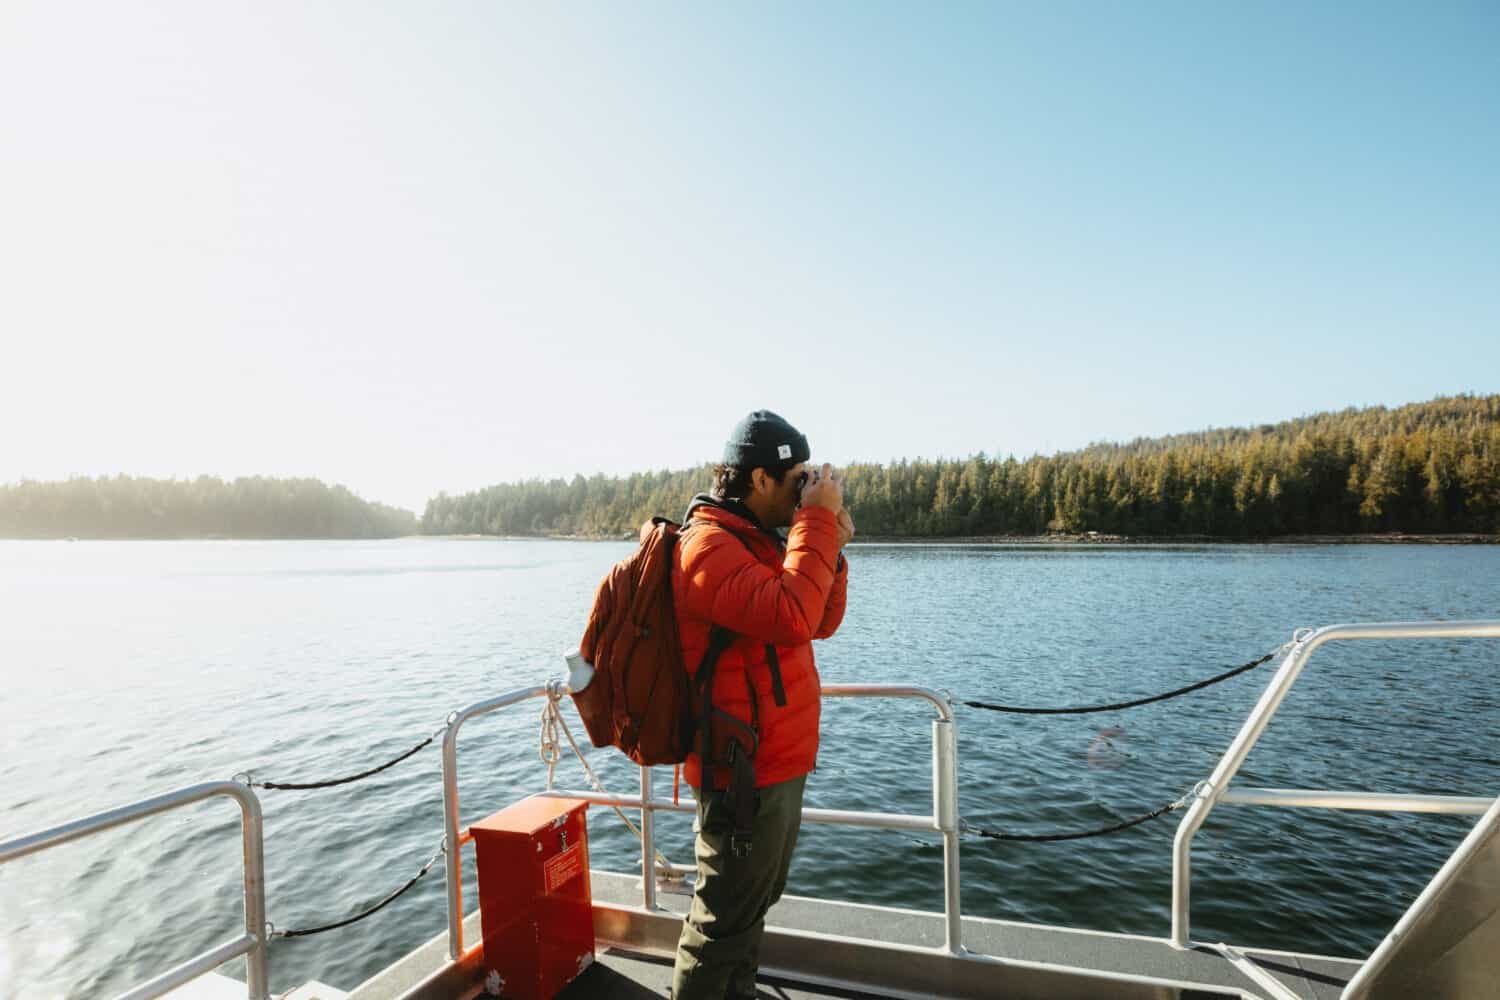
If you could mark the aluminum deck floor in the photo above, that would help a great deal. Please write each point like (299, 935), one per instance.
(627, 972)
(1313, 977)
(623, 975)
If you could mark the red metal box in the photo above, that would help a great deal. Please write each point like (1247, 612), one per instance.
(535, 905)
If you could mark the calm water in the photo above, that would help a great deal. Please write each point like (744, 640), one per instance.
(131, 668)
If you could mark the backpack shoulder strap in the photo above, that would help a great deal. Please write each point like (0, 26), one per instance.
(719, 639)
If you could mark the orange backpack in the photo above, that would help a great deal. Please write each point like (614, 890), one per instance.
(640, 697)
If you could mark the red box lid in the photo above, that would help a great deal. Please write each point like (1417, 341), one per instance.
(527, 816)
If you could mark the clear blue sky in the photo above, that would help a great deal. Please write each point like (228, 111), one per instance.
(426, 247)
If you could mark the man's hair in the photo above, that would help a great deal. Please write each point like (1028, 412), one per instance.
(732, 482)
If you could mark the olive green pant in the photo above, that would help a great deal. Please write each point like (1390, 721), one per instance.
(719, 949)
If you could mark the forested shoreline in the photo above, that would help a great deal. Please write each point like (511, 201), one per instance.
(206, 507)
(1424, 469)
(1427, 469)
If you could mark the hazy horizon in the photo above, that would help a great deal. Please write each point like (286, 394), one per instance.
(421, 251)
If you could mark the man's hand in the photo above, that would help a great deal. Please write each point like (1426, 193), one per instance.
(846, 527)
(823, 489)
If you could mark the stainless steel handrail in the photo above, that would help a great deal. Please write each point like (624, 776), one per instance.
(944, 817)
(251, 944)
(1216, 788)
(452, 842)
(1307, 798)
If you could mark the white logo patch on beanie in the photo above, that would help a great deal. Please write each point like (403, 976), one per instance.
(783, 451)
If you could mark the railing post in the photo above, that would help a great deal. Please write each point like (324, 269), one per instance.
(1182, 871)
(648, 842)
(452, 866)
(257, 973)
(945, 818)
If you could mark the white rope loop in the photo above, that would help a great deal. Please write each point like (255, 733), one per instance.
(547, 746)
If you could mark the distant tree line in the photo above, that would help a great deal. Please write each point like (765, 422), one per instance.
(255, 507)
(1428, 467)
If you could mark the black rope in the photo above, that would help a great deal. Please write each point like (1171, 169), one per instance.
(300, 786)
(1049, 837)
(360, 916)
(1124, 704)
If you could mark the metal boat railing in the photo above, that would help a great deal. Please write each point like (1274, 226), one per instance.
(943, 819)
(251, 944)
(1217, 788)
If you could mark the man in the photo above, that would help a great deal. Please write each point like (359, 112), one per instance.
(733, 570)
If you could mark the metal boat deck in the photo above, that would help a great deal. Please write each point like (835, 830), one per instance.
(815, 948)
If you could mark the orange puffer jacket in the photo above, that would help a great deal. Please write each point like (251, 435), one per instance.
(729, 572)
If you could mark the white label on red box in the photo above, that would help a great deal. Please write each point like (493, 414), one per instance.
(563, 867)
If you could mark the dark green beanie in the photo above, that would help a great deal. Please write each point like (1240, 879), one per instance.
(764, 441)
